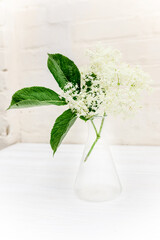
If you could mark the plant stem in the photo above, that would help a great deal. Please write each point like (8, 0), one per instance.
(97, 137)
(94, 143)
(94, 127)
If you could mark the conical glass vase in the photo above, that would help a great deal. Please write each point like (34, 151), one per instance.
(97, 178)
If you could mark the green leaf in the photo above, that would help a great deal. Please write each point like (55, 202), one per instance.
(62, 125)
(35, 96)
(84, 118)
(63, 70)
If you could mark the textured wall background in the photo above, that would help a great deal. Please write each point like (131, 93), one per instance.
(36, 27)
(9, 121)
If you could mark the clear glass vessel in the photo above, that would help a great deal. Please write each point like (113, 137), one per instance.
(97, 178)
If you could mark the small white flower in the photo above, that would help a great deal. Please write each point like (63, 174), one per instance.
(107, 85)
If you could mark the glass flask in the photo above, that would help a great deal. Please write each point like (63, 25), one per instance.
(97, 178)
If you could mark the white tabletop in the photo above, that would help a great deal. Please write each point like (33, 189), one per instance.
(37, 201)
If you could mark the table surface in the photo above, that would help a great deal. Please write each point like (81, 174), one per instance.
(37, 201)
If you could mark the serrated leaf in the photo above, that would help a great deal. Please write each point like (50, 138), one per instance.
(64, 70)
(61, 127)
(35, 96)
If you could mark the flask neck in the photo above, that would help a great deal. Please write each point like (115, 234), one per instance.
(96, 127)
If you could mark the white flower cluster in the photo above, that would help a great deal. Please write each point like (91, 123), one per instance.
(108, 86)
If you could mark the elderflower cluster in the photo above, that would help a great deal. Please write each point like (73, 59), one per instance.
(108, 86)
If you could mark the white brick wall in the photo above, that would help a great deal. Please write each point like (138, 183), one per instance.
(106, 29)
(9, 121)
(68, 27)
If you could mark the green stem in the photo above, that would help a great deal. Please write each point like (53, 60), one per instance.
(100, 130)
(94, 127)
(94, 143)
(97, 137)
